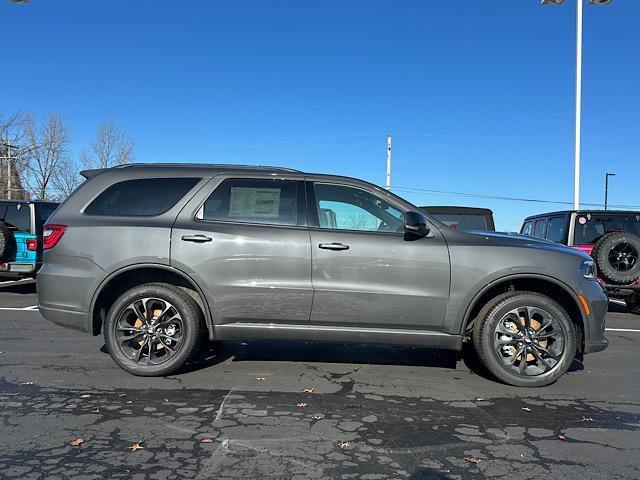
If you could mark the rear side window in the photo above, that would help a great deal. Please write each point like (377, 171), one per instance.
(253, 200)
(143, 197)
(16, 216)
(555, 229)
(526, 228)
(538, 231)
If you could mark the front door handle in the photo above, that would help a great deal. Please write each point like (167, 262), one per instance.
(334, 246)
(196, 238)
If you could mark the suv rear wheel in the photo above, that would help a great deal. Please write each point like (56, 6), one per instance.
(525, 339)
(153, 329)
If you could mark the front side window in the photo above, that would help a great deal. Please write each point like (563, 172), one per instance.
(142, 197)
(16, 216)
(526, 228)
(252, 200)
(348, 208)
(555, 229)
(539, 229)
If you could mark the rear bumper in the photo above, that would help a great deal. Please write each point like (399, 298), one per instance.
(19, 269)
(79, 321)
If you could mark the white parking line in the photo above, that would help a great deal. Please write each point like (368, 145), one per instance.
(15, 281)
(30, 308)
(621, 330)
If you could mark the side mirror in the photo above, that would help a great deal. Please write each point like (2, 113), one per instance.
(415, 225)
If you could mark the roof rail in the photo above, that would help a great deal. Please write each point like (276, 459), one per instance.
(209, 165)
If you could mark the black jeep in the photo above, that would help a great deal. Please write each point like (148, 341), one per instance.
(611, 237)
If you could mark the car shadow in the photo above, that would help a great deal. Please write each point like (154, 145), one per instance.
(318, 352)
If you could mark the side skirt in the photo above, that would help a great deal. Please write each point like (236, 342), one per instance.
(320, 333)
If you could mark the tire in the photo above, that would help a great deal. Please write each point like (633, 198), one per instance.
(5, 241)
(617, 256)
(492, 345)
(179, 329)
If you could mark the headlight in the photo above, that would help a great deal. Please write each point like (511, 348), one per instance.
(588, 270)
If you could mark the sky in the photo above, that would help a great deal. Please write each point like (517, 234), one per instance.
(477, 95)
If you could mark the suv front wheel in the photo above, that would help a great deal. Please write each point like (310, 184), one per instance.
(153, 329)
(525, 339)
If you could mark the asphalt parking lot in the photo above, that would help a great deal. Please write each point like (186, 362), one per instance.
(282, 410)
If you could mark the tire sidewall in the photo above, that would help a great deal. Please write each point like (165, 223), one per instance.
(190, 324)
(486, 333)
(601, 254)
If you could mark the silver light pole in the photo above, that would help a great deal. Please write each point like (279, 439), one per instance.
(576, 160)
(606, 188)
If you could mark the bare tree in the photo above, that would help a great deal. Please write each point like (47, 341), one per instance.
(44, 154)
(111, 147)
(66, 178)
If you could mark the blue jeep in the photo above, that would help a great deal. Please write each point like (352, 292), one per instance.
(21, 223)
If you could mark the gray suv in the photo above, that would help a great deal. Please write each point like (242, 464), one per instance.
(160, 257)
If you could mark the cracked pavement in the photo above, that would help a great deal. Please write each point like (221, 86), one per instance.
(374, 413)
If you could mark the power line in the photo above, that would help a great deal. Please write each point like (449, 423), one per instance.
(504, 198)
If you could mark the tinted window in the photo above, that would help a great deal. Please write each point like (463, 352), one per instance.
(526, 228)
(45, 211)
(349, 208)
(590, 227)
(539, 228)
(272, 202)
(555, 229)
(462, 221)
(16, 216)
(142, 197)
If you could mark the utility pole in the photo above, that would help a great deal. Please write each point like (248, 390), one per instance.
(576, 161)
(388, 162)
(8, 158)
(606, 188)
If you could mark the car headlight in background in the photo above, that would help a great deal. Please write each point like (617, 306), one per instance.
(588, 270)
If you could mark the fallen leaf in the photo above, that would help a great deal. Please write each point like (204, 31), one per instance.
(317, 417)
(562, 437)
(445, 470)
(479, 399)
(474, 460)
(129, 402)
(76, 442)
(97, 410)
(301, 405)
(206, 440)
(85, 396)
(122, 394)
(260, 379)
(343, 444)
(136, 446)
(586, 419)
(29, 382)
(307, 390)
(526, 409)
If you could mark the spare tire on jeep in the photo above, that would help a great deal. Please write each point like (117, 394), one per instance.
(5, 241)
(617, 256)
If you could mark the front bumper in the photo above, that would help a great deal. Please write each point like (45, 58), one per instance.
(594, 328)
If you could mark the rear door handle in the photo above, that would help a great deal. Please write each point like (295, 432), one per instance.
(196, 238)
(334, 246)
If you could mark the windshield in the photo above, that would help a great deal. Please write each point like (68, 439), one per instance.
(590, 227)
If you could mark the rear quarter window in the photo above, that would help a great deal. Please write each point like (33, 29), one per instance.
(538, 230)
(16, 216)
(526, 228)
(141, 197)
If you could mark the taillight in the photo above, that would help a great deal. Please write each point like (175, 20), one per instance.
(51, 235)
(32, 244)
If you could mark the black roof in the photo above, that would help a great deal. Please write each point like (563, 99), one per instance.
(583, 211)
(456, 210)
(14, 201)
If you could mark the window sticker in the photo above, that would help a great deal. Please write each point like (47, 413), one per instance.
(582, 220)
(254, 202)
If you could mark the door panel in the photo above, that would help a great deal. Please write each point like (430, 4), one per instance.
(251, 273)
(366, 274)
